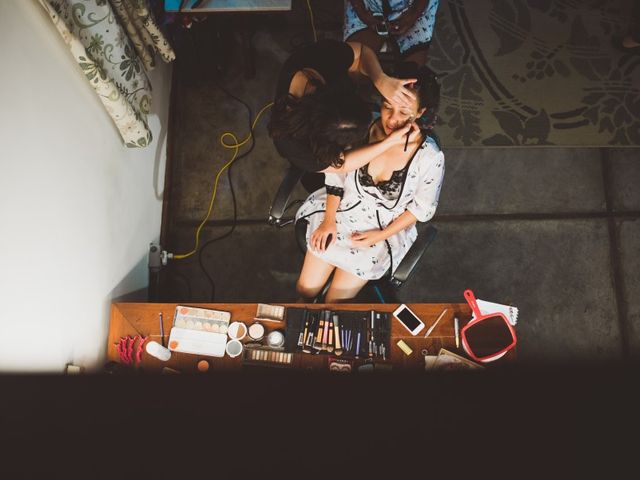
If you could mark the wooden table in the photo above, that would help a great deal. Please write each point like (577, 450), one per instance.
(143, 319)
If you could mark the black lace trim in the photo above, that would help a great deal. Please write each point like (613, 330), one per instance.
(337, 191)
(389, 188)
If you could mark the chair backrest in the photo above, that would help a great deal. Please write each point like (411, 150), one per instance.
(283, 195)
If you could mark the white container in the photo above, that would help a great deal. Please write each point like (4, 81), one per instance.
(256, 331)
(275, 339)
(158, 351)
(234, 348)
(237, 331)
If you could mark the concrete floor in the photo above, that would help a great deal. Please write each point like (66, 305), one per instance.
(553, 231)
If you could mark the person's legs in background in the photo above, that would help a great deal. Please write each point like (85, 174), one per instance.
(414, 43)
(355, 30)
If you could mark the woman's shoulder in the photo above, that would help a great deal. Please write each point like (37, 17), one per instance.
(430, 155)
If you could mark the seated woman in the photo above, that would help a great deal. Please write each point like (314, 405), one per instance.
(363, 222)
(317, 115)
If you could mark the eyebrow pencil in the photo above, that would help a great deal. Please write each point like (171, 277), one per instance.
(161, 329)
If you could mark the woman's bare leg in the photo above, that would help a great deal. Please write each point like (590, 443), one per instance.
(344, 286)
(314, 275)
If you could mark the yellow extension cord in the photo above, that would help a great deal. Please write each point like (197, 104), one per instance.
(315, 37)
(235, 146)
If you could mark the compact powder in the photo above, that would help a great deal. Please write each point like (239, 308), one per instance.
(237, 330)
(234, 348)
(256, 331)
(275, 339)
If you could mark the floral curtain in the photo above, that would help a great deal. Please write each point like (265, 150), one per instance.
(113, 43)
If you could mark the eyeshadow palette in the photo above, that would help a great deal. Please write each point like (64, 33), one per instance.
(199, 331)
(270, 312)
(267, 357)
(203, 319)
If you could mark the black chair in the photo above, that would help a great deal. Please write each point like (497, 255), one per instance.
(283, 195)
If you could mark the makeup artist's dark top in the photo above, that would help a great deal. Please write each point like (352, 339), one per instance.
(331, 59)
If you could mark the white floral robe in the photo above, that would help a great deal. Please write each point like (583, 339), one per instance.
(364, 208)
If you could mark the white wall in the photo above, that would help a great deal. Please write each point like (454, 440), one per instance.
(77, 208)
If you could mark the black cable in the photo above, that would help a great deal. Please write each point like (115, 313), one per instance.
(233, 195)
(235, 212)
(182, 277)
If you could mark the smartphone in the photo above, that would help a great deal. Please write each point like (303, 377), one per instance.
(409, 319)
(381, 28)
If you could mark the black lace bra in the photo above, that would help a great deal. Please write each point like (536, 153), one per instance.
(390, 189)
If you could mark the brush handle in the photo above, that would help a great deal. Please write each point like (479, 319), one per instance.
(303, 334)
(336, 329)
(318, 342)
(325, 336)
(330, 341)
(435, 323)
(308, 344)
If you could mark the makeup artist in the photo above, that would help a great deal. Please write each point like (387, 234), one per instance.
(318, 121)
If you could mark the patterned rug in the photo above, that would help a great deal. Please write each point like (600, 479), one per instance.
(535, 72)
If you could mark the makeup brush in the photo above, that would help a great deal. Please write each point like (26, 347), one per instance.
(435, 323)
(327, 327)
(308, 343)
(406, 142)
(330, 346)
(318, 339)
(303, 334)
(371, 340)
(161, 329)
(338, 350)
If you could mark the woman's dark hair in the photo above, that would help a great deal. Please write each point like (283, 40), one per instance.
(428, 90)
(331, 120)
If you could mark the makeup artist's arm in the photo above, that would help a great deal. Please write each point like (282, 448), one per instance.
(318, 239)
(365, 62)
(357, 157)
(366, 239)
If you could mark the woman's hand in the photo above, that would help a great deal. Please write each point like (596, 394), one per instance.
(395, 91)
(399, 136)
(323, 235)
(366, 239)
